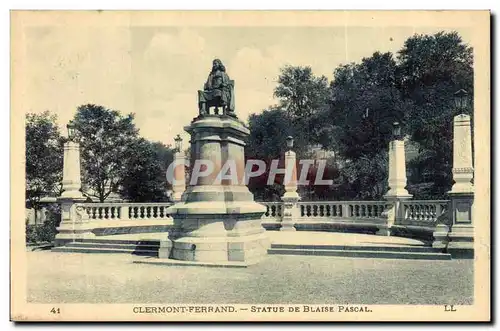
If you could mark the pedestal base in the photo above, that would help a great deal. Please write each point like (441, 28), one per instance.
(461, 243)
(287, 227)
(248, 249)
(67, 235)
(441, 237)
(217, 232)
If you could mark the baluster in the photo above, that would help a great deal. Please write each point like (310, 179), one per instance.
(328, 210)
(315, 210)
(438, 212)
(302, 211)
(321, 210)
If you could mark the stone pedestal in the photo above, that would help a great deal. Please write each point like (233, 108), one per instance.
(397, 171)
(179, 183)
(291, 197)
(218, 221)
(75, 224)
(461, 236)
(71, 182)
(397, 186)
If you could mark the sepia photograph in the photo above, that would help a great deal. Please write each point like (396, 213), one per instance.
(250, 165)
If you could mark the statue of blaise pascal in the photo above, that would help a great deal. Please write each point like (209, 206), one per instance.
(218, 91)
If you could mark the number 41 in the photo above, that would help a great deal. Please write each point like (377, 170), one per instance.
(55, 311)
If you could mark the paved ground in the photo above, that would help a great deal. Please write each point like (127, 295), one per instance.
(113, 278)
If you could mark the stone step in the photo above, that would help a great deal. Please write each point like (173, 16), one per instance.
(132, 246)
(150, 242)
(132, 229)
(423, 249)
(67, 249)
(362, 254)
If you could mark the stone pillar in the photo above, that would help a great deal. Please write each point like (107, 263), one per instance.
(218, 222)
(397, 170)
(74, 218)
(179, 184)
(461, 236)
(397, 184)
(71, 182)
(291, 197)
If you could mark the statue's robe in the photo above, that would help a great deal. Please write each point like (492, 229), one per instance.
(218, 85)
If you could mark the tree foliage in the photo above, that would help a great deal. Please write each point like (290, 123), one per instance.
(365, 103)
(144, 178)
(107, 139)
(44, 158)
(432, 69)
(354, 115)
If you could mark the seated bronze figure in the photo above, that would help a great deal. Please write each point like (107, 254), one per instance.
(218, 91)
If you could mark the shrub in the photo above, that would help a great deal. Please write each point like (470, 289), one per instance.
(47, 231)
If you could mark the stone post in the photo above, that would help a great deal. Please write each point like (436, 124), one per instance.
(396, 181)
(461, 237)
(74, 218)
(179, 184)
(291, 197)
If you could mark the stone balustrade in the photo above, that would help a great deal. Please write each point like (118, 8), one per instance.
(421, 212)
(274, 211)
(413, 218)
(342, 209)
(127, 211)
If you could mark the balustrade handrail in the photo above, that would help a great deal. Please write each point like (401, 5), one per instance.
(119, 204)
(341, 202)
(424, 201)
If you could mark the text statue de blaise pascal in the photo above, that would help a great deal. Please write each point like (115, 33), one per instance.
(217, 92)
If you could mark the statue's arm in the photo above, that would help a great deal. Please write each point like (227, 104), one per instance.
(208, 83)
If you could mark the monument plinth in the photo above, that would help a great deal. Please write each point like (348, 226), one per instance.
(219, 221)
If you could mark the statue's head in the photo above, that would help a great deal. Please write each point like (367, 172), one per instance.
(217, 65)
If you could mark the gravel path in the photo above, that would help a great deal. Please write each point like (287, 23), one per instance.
(113, 278)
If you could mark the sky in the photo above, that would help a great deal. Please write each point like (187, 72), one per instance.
(155, 71)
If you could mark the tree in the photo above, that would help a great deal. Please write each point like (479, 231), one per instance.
(303, 96)
(365, 102)
(107, 140)
(145, 175)
(432, 69)
(44, 158)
